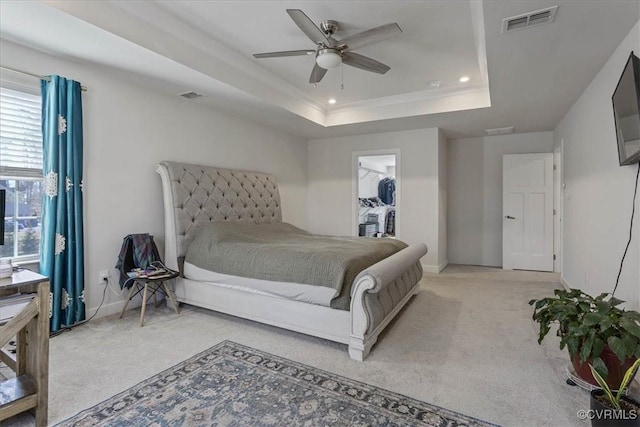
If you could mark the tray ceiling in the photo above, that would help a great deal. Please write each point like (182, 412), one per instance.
(207, 47)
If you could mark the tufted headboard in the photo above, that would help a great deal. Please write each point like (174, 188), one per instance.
(196, 195)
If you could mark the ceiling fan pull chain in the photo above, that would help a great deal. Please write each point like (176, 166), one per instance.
(342, 76)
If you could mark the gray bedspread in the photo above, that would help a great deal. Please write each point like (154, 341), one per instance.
(281, 252)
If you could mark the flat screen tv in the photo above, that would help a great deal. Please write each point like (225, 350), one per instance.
(2, 198)
(626, 111)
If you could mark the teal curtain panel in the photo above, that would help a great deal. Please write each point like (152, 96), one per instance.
(61, 243)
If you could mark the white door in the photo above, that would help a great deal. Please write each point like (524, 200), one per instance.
(557, 211)
(527, 208)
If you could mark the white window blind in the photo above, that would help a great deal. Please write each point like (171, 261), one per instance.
(20, 134)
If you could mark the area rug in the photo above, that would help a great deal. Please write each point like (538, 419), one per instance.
(234, 385)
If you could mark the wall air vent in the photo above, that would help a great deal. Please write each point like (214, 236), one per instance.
(499, 131)
(531, 19)
(190, 95)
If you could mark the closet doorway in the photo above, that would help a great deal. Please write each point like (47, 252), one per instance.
(376, 193)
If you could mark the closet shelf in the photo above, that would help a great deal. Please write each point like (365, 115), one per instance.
(374, 171)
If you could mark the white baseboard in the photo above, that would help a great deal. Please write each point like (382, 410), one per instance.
(566, 285)
(107, 309)
(435, 268)
(113, 307)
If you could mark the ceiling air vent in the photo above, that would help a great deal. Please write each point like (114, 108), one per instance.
(526, 20)
(499, 131)
(190, 95)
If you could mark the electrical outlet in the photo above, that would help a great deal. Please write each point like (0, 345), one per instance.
(103, 277)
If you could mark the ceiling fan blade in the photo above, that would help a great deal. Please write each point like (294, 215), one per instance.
(317, 74)
(283, 53)
(364, 63)
(308, 27)
(373, 35)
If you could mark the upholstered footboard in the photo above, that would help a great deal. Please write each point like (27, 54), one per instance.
(379, 293)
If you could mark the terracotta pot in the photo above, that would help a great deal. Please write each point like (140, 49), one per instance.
(616, 369)
(605, 416)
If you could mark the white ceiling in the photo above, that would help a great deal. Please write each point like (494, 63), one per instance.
(437, 42)
(529, 78)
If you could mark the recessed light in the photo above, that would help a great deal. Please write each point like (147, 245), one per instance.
(332, 101)
(464, 79)
(190, 94)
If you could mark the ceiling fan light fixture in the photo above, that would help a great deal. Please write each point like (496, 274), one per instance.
(331, 53)
(328, 58)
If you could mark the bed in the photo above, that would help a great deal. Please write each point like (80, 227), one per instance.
(197, 197)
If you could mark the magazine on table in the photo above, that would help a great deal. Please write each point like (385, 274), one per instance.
(151, 273)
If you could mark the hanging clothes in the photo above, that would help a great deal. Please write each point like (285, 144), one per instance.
(387, 191)
(137, 251)
(391, 223)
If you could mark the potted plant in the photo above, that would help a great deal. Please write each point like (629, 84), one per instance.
(609, 409)
(595, 330)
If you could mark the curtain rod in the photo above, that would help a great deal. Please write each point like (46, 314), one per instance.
(45, 78)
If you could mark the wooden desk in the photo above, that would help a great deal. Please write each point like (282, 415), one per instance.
(29, 390)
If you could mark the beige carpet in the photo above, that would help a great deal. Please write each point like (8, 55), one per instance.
(466, 343)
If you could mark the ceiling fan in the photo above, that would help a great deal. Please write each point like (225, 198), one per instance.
(330, 52)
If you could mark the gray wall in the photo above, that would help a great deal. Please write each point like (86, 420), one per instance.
(598, 193)
(475, 193)
(330, 185)
(128, 130)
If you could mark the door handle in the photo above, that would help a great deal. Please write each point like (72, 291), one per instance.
(510, 217)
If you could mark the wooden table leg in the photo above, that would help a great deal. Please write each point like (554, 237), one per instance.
(21, 348)
(126, 303)
(144, 303)
(37, 363)
(171, 297)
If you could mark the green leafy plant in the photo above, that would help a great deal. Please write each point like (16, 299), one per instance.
(587, 324)
(615, 399)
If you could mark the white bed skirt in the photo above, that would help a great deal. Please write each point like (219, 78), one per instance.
(319, 295)
(298, 316)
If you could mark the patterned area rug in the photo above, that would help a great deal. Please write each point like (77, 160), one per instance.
(233, 385)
